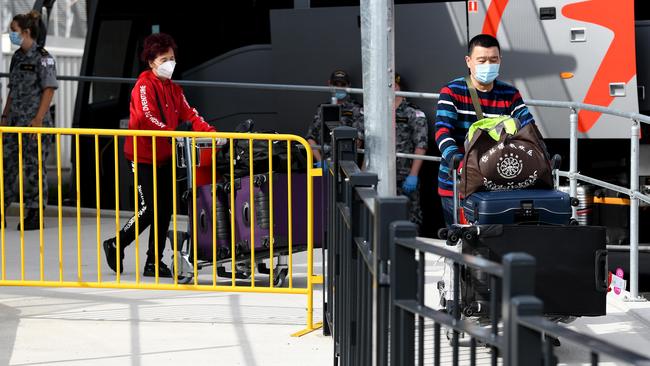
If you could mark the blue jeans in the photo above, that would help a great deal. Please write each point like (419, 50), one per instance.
(448, 210)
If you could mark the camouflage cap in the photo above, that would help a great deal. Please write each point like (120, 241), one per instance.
(339, 76)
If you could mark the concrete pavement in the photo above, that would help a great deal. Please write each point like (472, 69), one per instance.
(83, 326)
(42, 326)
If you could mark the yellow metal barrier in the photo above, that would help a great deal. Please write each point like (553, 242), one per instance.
(104, 280)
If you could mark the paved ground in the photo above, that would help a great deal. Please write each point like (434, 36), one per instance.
(54, 326)
(125, 327)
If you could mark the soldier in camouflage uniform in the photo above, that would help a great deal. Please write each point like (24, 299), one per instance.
(32, 82)
(410, 138)
(351, 113)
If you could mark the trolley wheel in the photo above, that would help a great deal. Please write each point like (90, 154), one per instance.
(469, 236)
(442, 233)
(280, 277)
(184, 271)
(185, 279)
(243, 270)
(453, 237)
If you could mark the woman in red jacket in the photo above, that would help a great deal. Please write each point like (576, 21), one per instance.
(158, 104)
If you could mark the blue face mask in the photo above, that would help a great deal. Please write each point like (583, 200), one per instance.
(341, 94)
(486, 73)
(15, 38)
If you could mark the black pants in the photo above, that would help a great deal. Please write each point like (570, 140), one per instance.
(146, 209)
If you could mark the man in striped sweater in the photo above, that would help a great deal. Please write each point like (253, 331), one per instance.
(455, 112)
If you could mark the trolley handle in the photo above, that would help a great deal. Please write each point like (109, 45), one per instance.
(455, 163)
(188, 156)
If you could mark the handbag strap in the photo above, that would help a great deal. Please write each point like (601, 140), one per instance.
(475, 100)
(160, 108)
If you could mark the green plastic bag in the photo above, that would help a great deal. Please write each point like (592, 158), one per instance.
(494, 126)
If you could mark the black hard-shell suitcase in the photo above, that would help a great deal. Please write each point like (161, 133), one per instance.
(571, 265)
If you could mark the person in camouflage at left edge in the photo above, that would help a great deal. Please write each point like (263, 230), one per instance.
(410, 138)
(32, 82)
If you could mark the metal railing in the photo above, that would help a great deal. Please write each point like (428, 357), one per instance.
(267, 211)
(375, 287)
(525, 336)
(356, 267)
(633, 191)
(573, 174)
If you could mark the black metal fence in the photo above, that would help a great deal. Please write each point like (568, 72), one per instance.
(374, 300)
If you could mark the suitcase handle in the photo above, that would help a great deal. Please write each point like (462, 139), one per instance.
(601, 270)
(203, 221)
(245, 214)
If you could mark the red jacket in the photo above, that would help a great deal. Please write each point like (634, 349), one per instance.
(149, 95)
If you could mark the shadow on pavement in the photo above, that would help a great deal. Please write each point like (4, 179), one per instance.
(9, 319)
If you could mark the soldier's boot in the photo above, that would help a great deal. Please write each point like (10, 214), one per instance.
(31, 221)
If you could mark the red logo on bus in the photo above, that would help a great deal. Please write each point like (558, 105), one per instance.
(472, 6)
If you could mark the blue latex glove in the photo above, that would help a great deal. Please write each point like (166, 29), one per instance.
(321, 164)
(410, 184)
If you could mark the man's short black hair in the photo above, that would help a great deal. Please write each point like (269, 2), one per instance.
(483, 40)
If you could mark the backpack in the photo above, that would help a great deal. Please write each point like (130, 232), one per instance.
(502, 155)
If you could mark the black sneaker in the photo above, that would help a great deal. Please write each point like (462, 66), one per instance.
(110, 249)
(31, 221)
(150, 270)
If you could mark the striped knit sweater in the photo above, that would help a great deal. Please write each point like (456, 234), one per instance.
(455, 113)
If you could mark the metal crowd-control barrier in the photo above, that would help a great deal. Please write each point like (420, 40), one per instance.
(37, 249)
(375, 288)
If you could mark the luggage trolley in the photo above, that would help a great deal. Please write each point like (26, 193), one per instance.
(571, 271)
(240, 208)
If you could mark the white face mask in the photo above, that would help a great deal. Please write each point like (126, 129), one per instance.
(166, 69)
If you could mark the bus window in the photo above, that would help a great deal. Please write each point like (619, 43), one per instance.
(113, 36)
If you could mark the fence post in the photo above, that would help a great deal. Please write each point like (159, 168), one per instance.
(518, 280)
(526, 346)
(360, 278)
(403, 277)
(387, 210)
(573, 158)
(343, 147)
(634, 211)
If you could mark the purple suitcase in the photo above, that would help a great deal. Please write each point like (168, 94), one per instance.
(261, 200)
(204, 222)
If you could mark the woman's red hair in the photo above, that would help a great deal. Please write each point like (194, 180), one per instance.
(156, 44)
